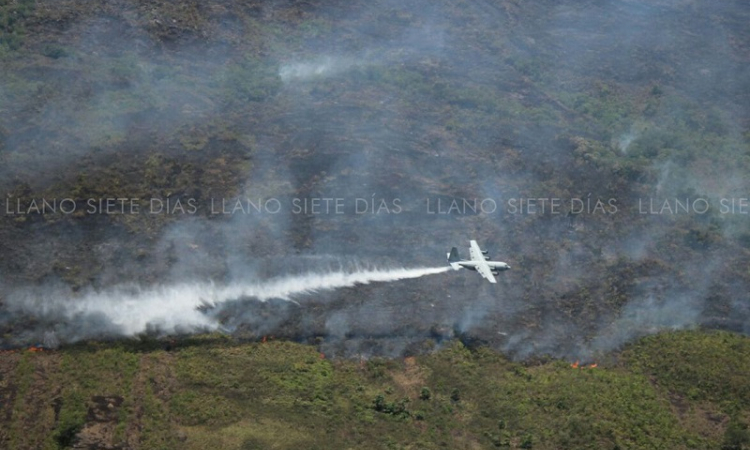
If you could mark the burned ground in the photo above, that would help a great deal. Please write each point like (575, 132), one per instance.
(622, 102)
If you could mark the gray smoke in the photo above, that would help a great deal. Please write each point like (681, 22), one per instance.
(397, 110)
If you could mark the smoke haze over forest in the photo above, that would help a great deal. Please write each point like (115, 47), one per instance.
(600, 148)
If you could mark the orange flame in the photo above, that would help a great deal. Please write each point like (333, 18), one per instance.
(592, 366)
(574, 365)
(263, 340)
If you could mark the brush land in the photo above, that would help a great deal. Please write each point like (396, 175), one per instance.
(626, 100)
(678, 390)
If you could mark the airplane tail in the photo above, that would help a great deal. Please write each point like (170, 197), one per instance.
(453, 258)
(453, 255)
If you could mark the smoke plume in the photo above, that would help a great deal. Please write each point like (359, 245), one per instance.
(356, 126)
(179, 308)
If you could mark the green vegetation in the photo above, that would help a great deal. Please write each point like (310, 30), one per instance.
(673, 390)
(689, 365)
(251, 80)
(165, 100)
(12, 16)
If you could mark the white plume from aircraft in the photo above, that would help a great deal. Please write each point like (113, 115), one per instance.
(479, 261)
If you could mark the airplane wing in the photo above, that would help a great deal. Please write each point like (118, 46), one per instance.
(484, 270)
(475, 252)
(482, 267)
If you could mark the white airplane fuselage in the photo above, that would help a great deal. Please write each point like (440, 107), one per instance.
(472, 265)
(479, 262)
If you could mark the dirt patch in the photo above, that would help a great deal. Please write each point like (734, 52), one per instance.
(412, 378)
(8, 390)
(154, 374)
(33, 409)
(702, 418)
(101, 422)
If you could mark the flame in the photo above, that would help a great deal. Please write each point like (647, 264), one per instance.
(578, 365)
(263, 340)
(35, 349)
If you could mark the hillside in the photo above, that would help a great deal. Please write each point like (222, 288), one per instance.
(677, 391)
(157, 144)
(228, 222)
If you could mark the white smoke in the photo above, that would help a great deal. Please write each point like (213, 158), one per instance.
(624, 141)
(648, 316)
(129, 310)
(316, 68)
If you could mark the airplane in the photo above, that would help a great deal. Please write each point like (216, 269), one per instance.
(479, 261)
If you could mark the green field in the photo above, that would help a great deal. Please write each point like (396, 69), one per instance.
(669, 391)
